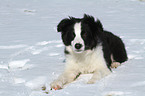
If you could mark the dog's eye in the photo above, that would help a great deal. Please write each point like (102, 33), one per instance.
(84, 34)
(73, 34)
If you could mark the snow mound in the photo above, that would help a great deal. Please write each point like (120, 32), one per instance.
(116, 93)
(18, 80)
(36, 83)
(18, 63)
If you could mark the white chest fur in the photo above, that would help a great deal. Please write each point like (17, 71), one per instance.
(86, 62)
(90, 61)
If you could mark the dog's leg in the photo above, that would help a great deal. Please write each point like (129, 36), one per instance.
(98, 74)
(66, 77)
(114, 64)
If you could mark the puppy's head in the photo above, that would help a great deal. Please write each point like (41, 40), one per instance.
(80, 33)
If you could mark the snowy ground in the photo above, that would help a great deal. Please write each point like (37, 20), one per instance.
(31, 51)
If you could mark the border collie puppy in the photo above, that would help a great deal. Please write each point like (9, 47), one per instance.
(88, 49)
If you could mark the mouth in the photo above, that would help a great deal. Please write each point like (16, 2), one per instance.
(78, 51)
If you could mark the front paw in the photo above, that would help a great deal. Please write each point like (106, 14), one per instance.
(56, 85)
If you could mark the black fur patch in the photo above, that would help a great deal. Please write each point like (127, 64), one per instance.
(66, 52)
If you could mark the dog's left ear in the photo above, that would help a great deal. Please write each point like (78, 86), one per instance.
(88, 20)
(62, 26)
(95, 26)
(99, 25)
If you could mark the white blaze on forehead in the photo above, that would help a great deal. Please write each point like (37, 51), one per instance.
(77, 30)
(78, 38)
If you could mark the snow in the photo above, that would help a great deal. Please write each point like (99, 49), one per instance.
(36, 83)
(18, 63)
(19, 80)
(31, 51)
(12, 46)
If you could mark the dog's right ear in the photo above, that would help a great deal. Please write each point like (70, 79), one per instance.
(62, 26)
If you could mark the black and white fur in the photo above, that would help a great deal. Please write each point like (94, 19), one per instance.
(88, 49)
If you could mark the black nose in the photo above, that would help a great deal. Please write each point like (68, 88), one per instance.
(78, 45)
